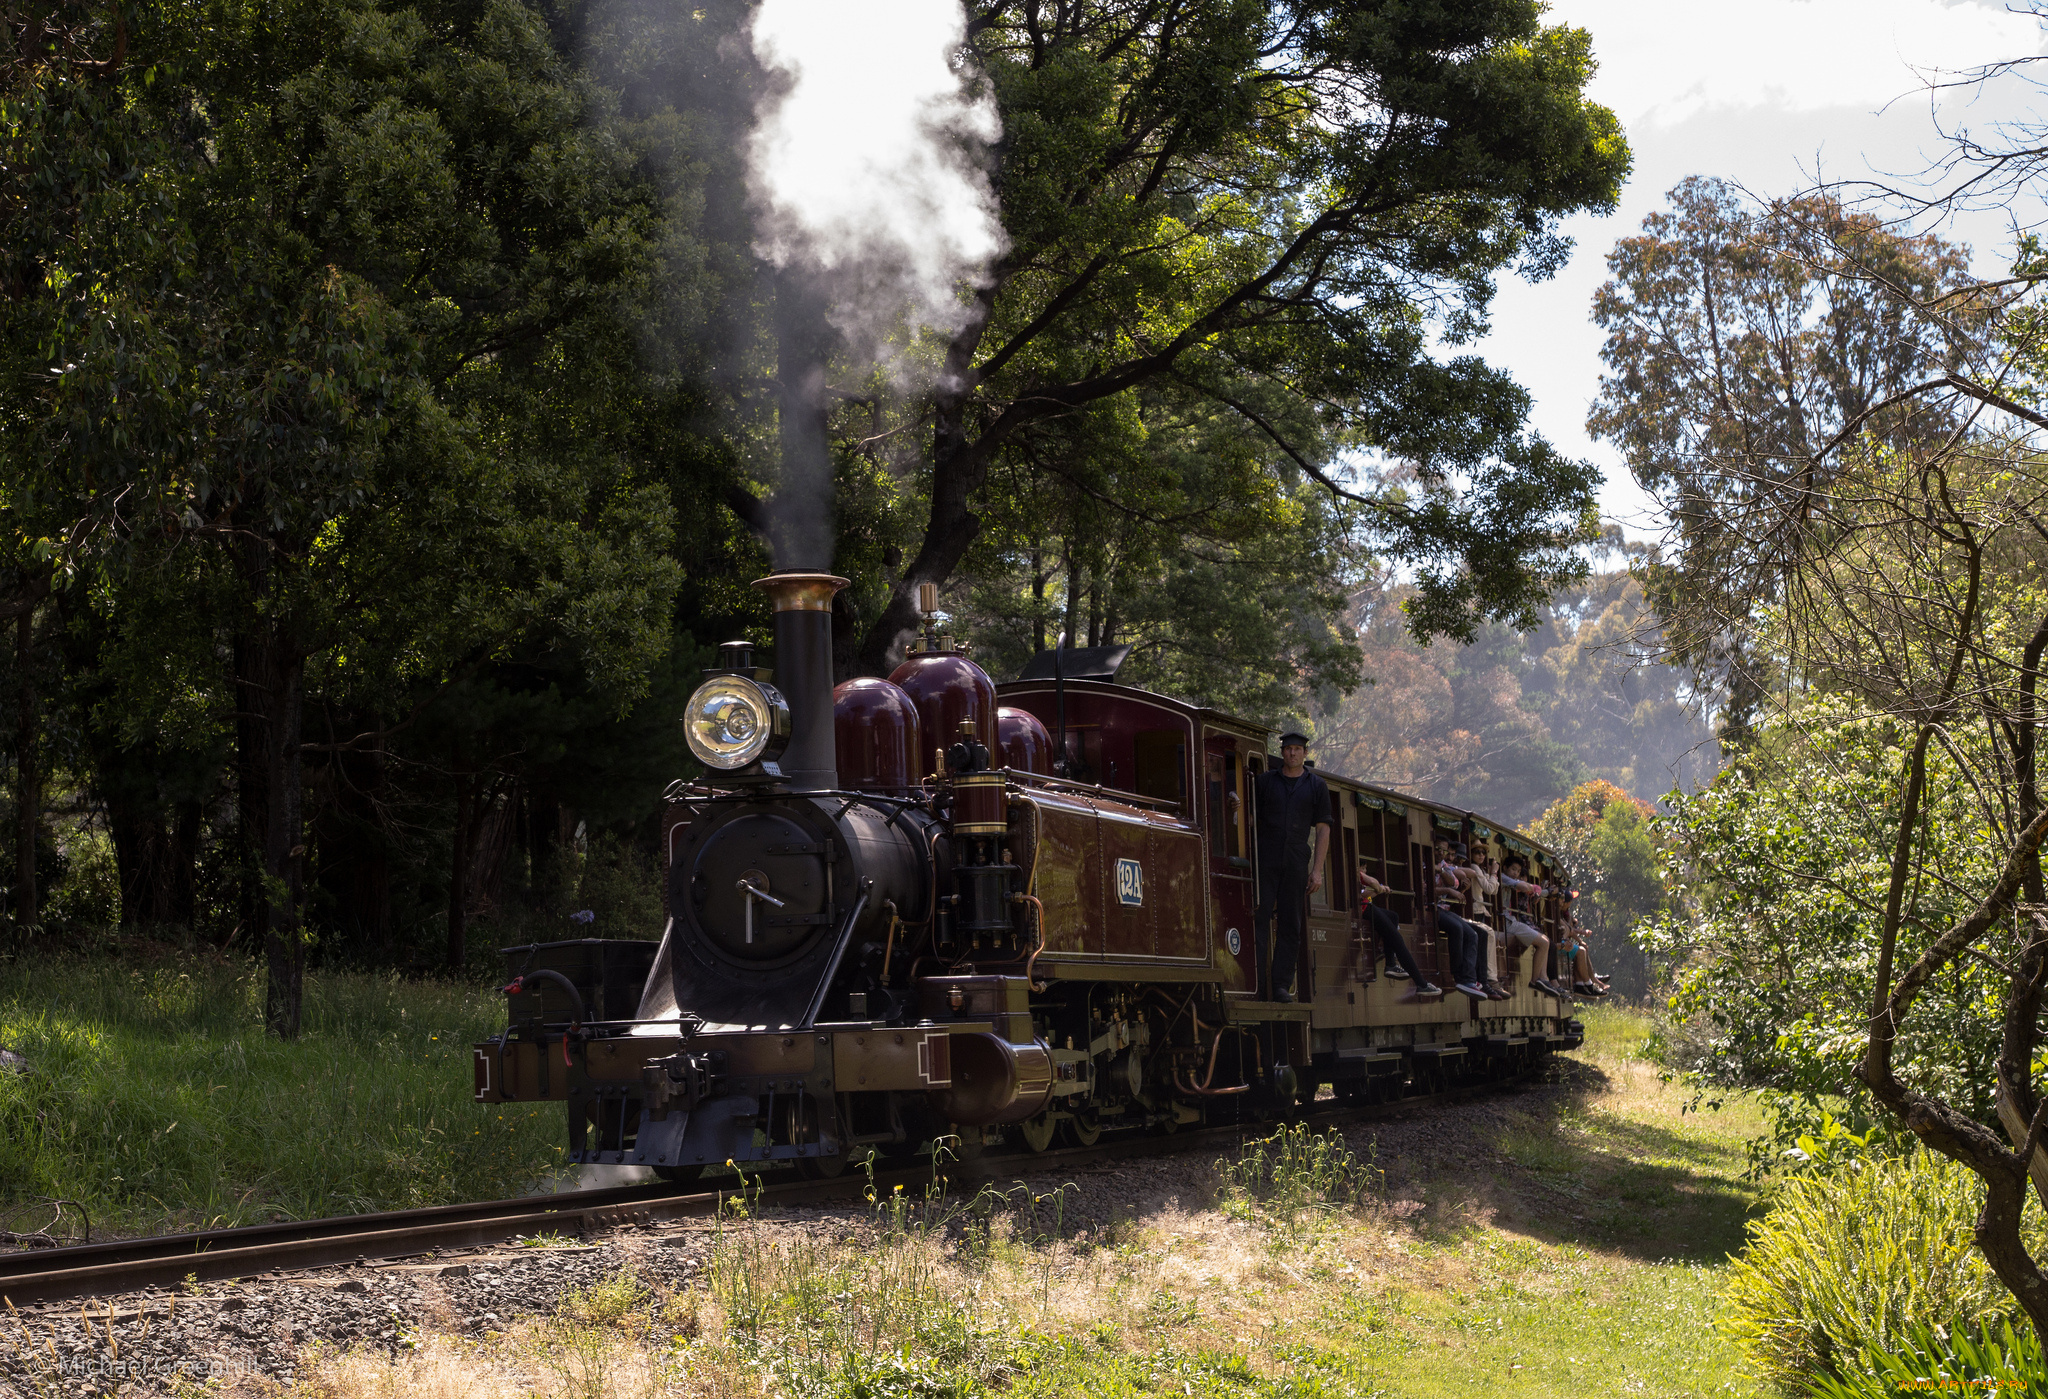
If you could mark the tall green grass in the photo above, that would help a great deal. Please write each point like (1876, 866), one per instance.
(154, 1098)
(1854, 1259)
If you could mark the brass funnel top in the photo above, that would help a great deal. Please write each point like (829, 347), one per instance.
(798, 591)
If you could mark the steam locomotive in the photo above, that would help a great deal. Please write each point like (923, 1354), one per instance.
(933, 905)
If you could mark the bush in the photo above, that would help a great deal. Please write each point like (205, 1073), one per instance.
(1851, 1260)
(1997, 1360)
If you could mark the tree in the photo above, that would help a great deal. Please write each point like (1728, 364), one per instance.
(1607, 842)
(1510, 723)
(1744, 344)
(1263, 206)
(1444, 721)
(1892, 568)
(371, 360)
(1170, 529)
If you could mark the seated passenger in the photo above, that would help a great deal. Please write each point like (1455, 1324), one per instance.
(1521, 930)
(1395, 946)
(1573, 944)
(1464, 937)
(1477, 876)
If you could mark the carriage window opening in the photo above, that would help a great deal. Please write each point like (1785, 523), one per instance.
(1213, 780)
(1233, 803)
(1345, 873)
(1084, 753)
(1162, 758)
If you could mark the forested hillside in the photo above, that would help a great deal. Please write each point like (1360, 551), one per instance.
(1512, 722)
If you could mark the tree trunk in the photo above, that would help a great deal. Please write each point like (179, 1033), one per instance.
(270, 679)
(28, 796)
(1038, 597)
(543, 835)
(458, 871)
(958, 471)
(186, 830)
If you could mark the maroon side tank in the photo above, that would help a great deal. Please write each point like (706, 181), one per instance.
(1026, 745)
(875, 729)
(948, 689)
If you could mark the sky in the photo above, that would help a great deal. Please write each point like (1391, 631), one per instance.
(1765, 93)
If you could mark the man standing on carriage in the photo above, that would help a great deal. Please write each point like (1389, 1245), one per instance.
(1293, 809)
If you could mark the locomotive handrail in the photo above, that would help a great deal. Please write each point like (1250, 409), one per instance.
(1069, 784)
(817, 1005)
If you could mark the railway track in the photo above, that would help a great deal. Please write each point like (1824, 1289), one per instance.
(167, 1260)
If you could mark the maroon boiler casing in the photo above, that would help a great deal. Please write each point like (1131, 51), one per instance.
(1026, 745)
(948, 689)
(875, 729)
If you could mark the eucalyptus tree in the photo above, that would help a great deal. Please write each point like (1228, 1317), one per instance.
(1845, 419)
(1269, 206)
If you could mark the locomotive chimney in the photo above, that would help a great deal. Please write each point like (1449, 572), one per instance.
(803, 672)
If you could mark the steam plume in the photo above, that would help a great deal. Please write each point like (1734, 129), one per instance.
(866, 169)
(867, 163)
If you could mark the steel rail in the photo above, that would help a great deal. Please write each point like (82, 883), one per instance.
(168, 1260)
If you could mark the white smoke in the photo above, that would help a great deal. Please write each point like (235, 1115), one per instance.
(867, 162)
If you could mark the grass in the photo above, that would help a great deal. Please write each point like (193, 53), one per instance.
(155, 1100)
(1570, 1242)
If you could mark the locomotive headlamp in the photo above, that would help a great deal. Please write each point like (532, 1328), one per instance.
(733, 721)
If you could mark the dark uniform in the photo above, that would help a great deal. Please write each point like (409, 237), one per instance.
(1289, 810)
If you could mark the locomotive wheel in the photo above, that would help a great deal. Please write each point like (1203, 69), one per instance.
(796, 1127)
(679, 1175)
(1082, 1131)
(820, 1167)
(1038, 1131)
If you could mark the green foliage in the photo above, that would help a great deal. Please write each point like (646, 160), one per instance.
(1231, 229)
(154, 1097)
(1851, 1260)
(1772, 939)
(1298, 1174)
(1740, 339)
(84, 885)
(1615, 853)
(1995, 1360)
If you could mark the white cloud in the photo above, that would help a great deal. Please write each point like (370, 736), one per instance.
(1661, 63)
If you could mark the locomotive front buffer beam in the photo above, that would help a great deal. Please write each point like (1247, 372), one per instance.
(775, 1096)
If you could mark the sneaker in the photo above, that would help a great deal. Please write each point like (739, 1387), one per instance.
(1587, 988)
(1540, 984)
(1428, 988)
(1497, 991)
(1474, 990)
(1283, 995)
(1396, 972)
